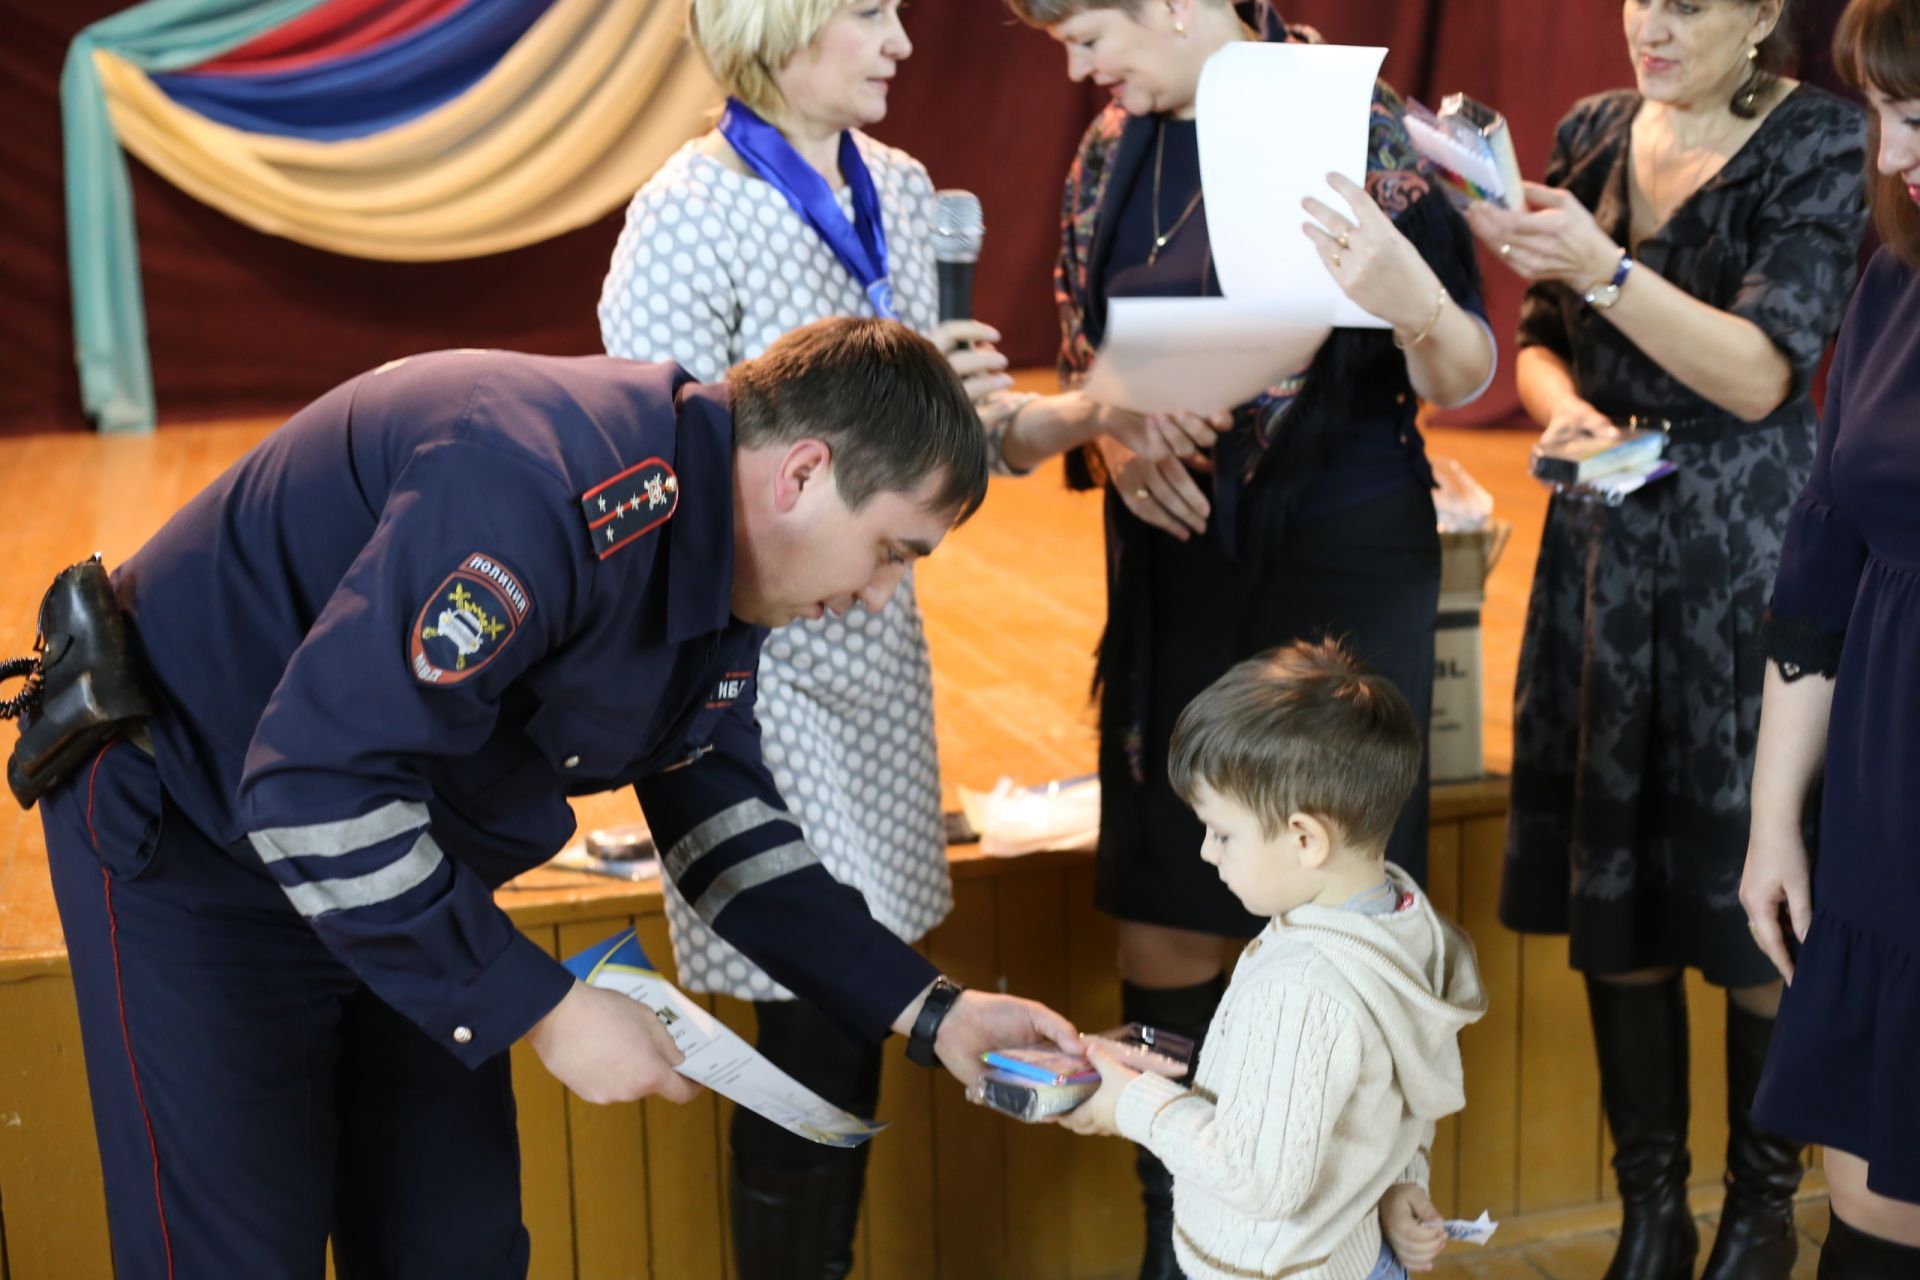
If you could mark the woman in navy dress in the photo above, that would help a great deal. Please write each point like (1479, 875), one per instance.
(1843, 700)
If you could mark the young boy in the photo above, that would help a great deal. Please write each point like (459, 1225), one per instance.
(1336, 1046)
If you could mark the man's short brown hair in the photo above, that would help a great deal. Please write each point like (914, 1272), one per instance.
(883, 398)
(1302, 729)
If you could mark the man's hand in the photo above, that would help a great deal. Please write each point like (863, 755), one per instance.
(609, 1048)
(1412, 1226)
(1095, 1116)
(980, 1021)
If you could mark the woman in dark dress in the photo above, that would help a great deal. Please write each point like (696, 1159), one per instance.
(1843, 703)
(1691, 255)
(1310, 517)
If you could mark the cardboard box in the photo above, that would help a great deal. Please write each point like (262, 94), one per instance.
(1455, 750)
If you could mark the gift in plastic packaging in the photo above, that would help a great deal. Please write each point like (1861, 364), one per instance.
(1034, 1083)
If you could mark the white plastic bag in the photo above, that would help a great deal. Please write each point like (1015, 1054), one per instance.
(1463, 506)
(1056, 815)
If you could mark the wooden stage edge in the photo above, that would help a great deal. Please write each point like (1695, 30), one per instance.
(1012, 605)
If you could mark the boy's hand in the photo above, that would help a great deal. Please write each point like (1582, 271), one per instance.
(1095, 1115)
(1412, 1226)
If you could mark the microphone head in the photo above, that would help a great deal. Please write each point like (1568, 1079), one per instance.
(958, 227)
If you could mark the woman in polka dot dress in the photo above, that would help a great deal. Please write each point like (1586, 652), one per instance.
(714, 263)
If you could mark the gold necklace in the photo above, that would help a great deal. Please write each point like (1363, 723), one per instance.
(1681, 171)
(1160, 241)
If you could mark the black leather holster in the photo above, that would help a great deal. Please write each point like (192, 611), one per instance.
(83, 685)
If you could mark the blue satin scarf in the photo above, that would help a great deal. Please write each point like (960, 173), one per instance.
(861, 245)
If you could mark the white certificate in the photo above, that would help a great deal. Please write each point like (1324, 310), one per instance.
(715, 1056)
(1273, 121)
(1200, 354)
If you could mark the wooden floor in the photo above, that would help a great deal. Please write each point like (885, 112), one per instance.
(986, 569)
(1585, 1256)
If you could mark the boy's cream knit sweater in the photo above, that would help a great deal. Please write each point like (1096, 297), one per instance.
(1332, 1054)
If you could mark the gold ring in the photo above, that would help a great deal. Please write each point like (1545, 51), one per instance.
(1343, 241)
(1140, 495)
(1336, 259)
(1506, 251)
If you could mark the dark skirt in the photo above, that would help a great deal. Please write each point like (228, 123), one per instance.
(1637, 709)
(1369, 576)
(1841, 1068)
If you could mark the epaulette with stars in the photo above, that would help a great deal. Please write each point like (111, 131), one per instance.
(631, 505)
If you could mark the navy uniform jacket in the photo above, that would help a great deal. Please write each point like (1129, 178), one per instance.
(394, 637)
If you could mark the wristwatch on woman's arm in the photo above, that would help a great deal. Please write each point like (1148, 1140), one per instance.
(1602, 296)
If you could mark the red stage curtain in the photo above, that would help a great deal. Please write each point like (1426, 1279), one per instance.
(243, 323)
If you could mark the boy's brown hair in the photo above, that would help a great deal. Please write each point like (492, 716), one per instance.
(1302, 729)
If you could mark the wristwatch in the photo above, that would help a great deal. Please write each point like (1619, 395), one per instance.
(933, 1011)
(1602, 296)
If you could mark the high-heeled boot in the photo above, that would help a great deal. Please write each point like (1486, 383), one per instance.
(1756, 1240)
(794, 1206)
(1852, 1254)
(1640, 1030)
(1185, 1011)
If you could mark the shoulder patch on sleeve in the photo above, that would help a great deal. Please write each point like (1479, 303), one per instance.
(633, 503)
(468, 620)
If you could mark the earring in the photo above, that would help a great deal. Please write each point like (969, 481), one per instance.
(1180, 28)
(1753, 54)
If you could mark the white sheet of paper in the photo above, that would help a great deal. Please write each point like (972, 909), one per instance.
(1200, 354)
(1273, 121)
(732, 1068)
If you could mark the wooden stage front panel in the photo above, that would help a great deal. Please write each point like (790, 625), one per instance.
(1013, 604)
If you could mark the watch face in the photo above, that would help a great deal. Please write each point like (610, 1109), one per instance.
(1604, 296)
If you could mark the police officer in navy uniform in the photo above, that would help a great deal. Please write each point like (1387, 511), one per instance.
(386, 646)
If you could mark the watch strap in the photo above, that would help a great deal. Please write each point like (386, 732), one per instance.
(1605, 295)
(933, 1011)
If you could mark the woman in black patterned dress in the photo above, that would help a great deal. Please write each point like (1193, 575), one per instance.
(1691, 256)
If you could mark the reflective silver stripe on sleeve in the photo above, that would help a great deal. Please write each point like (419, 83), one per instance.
(723, 826)
(755, 871)
(331, 839)
(318, 897)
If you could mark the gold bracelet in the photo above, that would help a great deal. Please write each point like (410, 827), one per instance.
(1433, 321)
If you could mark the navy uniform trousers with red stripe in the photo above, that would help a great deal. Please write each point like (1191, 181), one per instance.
(251, 1096)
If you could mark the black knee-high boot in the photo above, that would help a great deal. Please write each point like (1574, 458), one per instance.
(1852, 1254)
(795, 1205)
(1756, 1240)
(1640, 1030)
(1185, 1011)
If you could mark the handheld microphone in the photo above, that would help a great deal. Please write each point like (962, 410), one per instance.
(957, 232)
